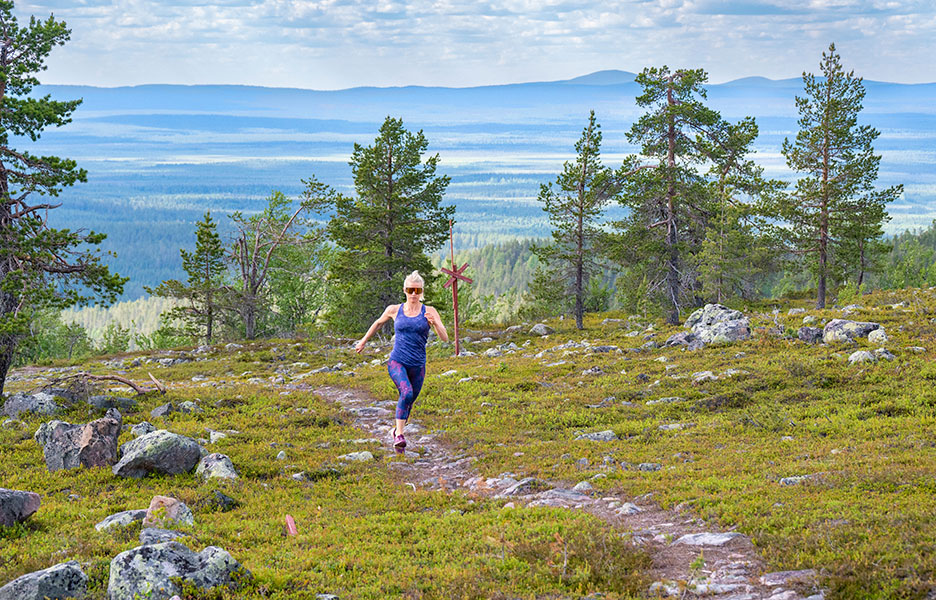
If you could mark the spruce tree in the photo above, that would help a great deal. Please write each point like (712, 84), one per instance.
(385, 231)
(40, 267)
(834, 212)
(575, 204)
(199, 295)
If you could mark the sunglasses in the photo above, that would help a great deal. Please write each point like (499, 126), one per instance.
(414, 290)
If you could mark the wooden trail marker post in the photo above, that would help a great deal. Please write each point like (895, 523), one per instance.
(454, 275)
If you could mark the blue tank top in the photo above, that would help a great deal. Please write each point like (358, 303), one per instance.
(409, 347)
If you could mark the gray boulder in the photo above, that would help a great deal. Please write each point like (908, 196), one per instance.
(683, 338)
(141, 429)
(162, 411)
(40, 403)
(843, 330)
(158, 452)
(541, 329)
(16, 506)
(810, 335)
(93, 444)
(154, 535)
(717, 324)
(878, 336)
(216, 465)
(861, 356)
(106, 402)
(64, 580)
(146, 571)
(121, 519)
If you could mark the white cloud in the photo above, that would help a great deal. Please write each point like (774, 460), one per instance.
(342, 43)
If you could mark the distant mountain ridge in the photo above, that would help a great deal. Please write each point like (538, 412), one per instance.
(158, 156)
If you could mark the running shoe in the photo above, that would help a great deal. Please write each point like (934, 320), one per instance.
(399, 441)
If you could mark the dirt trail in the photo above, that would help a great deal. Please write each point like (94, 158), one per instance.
(732, 571)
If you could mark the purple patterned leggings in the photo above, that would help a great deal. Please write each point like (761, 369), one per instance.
(409, 381)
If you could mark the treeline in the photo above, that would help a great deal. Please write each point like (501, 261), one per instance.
(701, 223)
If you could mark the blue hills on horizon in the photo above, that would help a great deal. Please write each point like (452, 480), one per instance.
(160, 155)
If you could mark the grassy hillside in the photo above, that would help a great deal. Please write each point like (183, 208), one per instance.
(824, 464)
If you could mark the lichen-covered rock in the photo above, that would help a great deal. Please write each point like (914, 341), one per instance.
(810, 335)
(711, 314)
(878, 336)
(154, 535)
(17, 506)
(717, 324)
(121, 519)
(40, 403)
(598, 436)
(64, 580)
(93, 444)
(843, 330)
(142, 429)
(164, 510)
(861, 356)
(216, 465)
(541, 329)
(146, 571)
(158, 452)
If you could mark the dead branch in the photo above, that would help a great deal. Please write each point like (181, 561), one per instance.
(90, 377)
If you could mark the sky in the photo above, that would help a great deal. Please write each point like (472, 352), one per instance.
(337, 44)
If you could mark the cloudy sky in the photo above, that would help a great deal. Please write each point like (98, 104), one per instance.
(333, 44)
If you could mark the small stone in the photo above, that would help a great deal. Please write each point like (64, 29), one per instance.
(363, 456)
(583, 487)
(541, 330)
(708, 539)
(154, 535)
(121, 519)
(142, 429)
(281, 455)
(649, 467)
(162, 411)
(878, 337)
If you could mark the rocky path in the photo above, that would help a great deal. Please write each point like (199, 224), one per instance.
(732, 569)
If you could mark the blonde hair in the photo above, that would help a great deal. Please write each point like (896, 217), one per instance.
(414, 279)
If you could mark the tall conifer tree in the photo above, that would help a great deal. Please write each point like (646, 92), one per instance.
(575, 207)
(40, 267)
(385, 231)
(834, 212)
(671, 202)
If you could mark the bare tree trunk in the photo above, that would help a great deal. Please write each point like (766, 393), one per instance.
(672, 271)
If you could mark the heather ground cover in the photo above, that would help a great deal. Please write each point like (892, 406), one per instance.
(824, 464)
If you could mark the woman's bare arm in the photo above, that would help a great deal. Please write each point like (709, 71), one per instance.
(432, 315)
(386, 316)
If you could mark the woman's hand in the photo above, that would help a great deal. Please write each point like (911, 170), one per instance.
(359, 347)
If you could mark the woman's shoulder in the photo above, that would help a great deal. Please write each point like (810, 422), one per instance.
(392, 309)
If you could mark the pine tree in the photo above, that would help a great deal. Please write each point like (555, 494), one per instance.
(199, 295)
(671, 203)
(40, 267)
(835, 214)
(386, 230)
(742, 244)
(575, 207)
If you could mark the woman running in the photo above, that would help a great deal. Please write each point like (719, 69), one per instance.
(407, 366)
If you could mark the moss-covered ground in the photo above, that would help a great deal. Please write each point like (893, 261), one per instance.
(864, 434)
